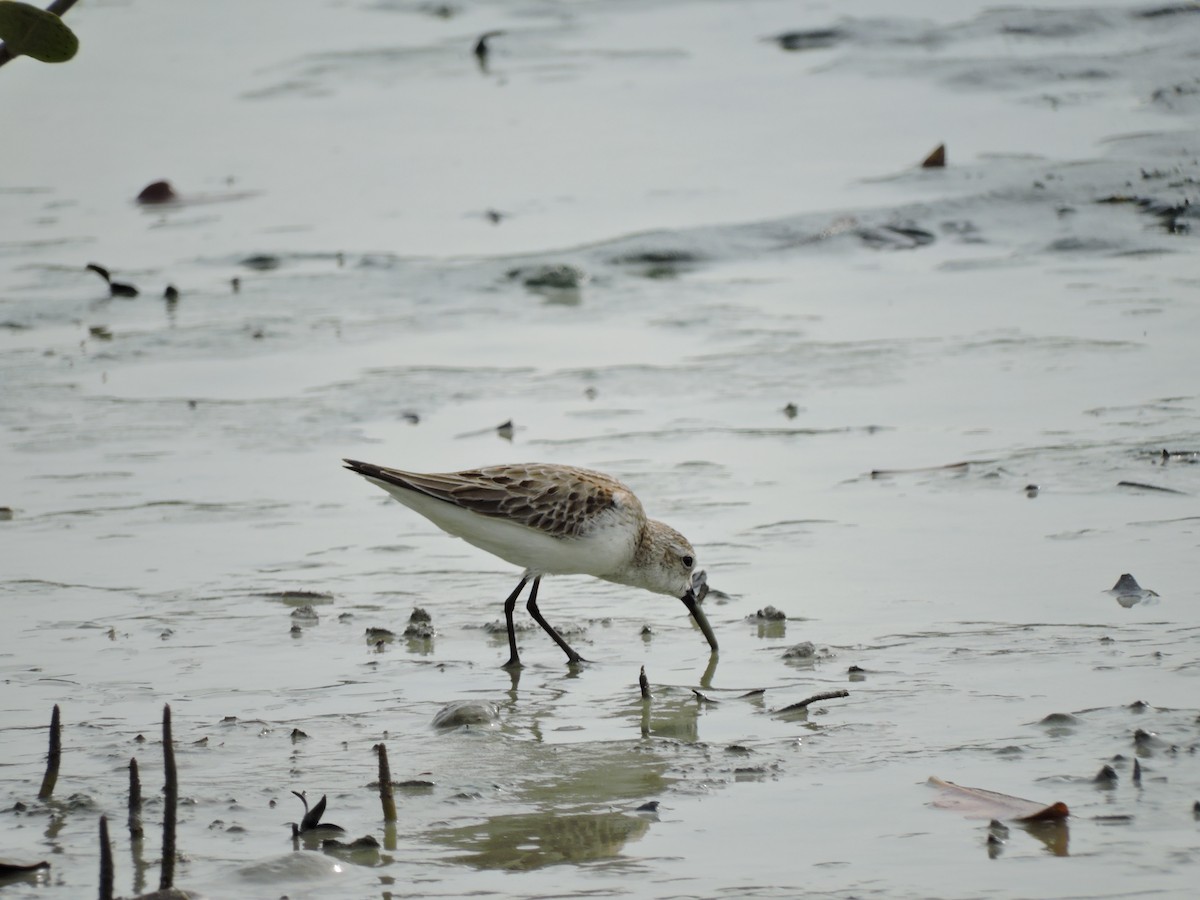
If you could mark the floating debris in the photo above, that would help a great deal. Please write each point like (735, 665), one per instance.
(815, 698)
(555, 276)
(813, 39)
(895, 237)
(980, 803)
(262, 262)
(769, 614)
(312, 818)
(115, 288)
(791, 410)
(1128, 592)
(1142, 486)
(171, 293)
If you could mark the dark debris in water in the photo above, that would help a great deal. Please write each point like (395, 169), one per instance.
(810, 39)
(1171, 215)
(297, 598)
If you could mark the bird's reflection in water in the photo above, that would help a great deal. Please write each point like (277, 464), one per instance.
(533, 840)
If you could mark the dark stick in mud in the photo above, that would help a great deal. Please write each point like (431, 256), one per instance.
(54, 757)
(106, 862)
(644, 684)
(170, 804)
(135, 801)
(386, 796)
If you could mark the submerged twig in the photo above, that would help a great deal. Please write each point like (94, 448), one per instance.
(804, 704)
(386, 796)
(135, 800)
(1142, 486)
(54, 758)
(170, 804)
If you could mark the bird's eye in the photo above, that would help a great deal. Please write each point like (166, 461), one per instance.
(687, 561)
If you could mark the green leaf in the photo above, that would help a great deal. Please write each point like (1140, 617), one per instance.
(29, 31)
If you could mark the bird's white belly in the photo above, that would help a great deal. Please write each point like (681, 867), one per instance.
(602, 552)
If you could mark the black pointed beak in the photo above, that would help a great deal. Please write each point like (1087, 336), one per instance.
(689, 600)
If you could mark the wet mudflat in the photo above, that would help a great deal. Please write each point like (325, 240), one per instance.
(921, 412)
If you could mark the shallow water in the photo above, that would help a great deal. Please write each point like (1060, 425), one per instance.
(750, 233)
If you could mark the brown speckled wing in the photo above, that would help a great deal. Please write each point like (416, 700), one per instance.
(559, 500)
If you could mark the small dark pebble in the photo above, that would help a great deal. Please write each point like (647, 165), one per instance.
(379, 634)
(419, 615)
(1106, 776)
(1139, 706)
(1059, 719)
(791, 410)
(770, 614)
(1143, 738)
(298, 735)
(649, 806)
(171, 293)
(1031, 490)
(936, 158)
(157, 192)
(420, 631)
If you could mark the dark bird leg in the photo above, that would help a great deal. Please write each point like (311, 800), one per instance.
(572, 656)
(514, 661)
